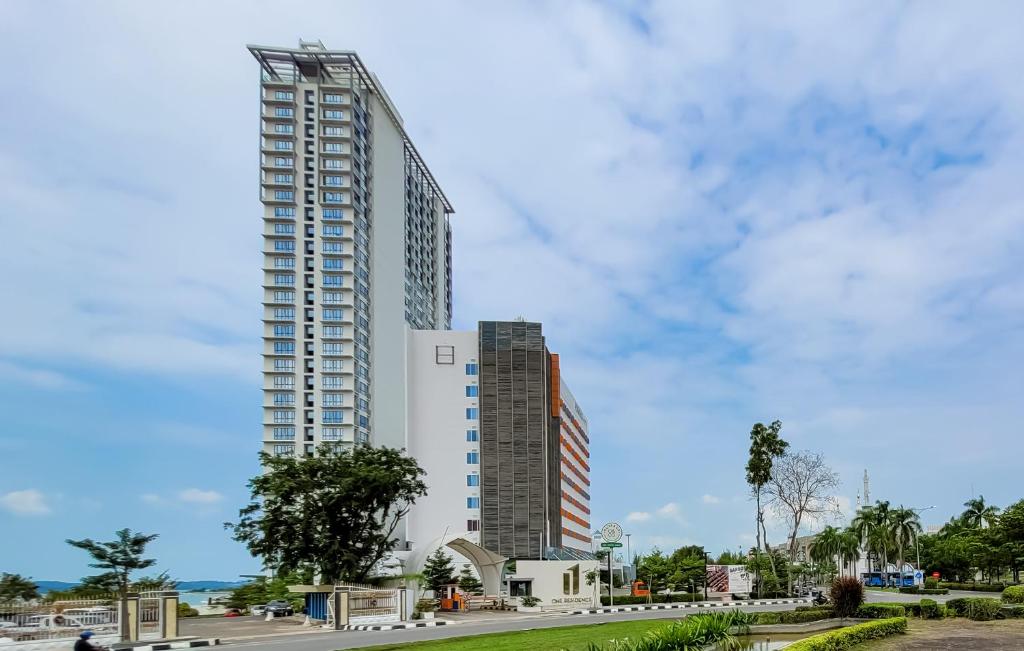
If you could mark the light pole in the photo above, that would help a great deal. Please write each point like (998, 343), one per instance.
(917, 542)
(629, 558)
(705, 574)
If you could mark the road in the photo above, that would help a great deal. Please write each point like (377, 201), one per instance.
(328, 641)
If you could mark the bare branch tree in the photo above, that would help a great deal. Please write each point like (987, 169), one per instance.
(802, 486)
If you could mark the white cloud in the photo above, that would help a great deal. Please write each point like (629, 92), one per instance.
(670, 510)
(199, 496)
(25, 502)
(151, 498)
(710, 499)
(37, 377)
(638, 516)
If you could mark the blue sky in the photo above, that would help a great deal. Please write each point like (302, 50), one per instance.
(721, 214)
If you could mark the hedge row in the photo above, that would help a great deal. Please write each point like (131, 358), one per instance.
(880, 611)
(927, 609)
(793, 616)
(677, 597)
(846, 638)
(1014, 594)
(913, 589)
(974, 587)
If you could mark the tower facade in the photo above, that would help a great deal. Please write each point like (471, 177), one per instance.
(357, 249)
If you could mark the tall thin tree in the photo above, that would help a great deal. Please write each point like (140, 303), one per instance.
(765, 446)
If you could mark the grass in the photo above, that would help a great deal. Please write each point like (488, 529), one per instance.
(546, 639)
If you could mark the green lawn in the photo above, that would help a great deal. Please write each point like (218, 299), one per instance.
(548, 639)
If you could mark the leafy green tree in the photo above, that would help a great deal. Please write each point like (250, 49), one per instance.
(825, 547)
(731, 558)
(849, 549)
(765, 446)
(438, 571)
(468, 582)
(686, 567)
(16, 586)
(335, 512)
(120, 558)
(654, 569)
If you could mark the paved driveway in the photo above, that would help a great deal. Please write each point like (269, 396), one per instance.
(234, 627)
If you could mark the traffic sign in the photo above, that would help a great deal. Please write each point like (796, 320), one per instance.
(611, 544)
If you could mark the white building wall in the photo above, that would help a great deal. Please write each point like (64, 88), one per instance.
(438, 425)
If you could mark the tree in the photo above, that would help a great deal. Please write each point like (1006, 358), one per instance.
(849, 549)
(905, 525)
(468, 582)
(825, 547)
(120, 558)
(802, 486)
(978, 514)
(335, 512)
(765, 446)
(438, 571)
(655, 569)
(16, 586)
(874, 527)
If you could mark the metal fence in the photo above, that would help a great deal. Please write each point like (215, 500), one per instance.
(150, 615)
(367, 602)
(58, 619)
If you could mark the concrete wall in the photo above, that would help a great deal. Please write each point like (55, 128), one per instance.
(559, 584)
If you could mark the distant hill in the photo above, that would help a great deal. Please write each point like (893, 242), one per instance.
(46, 586)
(209, 585)
(184, 586)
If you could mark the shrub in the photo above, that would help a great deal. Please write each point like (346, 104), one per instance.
(957, 606)
(930, 609)
(703, 630)
(983, 610)
(847, 594)
(909, 589)
(185, 610)
(975, 587)
(529, 601)
(934, 591)
(676, 597)
(846, 638)
(880, 611)
(1014, 594)
(793, 616)
(931, 583)
(803, 608)
(426, 605)
(1012, 612)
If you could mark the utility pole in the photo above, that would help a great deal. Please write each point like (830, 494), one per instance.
(705, 573)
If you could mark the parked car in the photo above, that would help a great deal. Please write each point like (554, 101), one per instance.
(258, 609)
(280, 608)
(233, 612)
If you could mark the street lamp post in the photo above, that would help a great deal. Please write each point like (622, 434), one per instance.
(917, 542)
(629, 557)
(705, 574)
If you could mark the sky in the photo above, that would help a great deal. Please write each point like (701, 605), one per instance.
(722, 213)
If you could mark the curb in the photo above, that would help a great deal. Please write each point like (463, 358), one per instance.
(187, 644)
(681, 606)
(393, 627)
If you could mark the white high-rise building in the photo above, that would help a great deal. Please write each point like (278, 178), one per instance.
(357, 250)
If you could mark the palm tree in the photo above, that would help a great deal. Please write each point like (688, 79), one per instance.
(825, 547)
(873, 525)
(849, 548)
(905, 526)
(978, 514)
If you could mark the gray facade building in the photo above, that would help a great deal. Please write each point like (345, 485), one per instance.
(357, 249)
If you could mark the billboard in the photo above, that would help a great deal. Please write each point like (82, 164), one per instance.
(728, 579)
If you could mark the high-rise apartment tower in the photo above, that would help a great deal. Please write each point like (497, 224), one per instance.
(357, 248)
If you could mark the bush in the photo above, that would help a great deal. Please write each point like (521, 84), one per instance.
(699, 631)
(426, 605)
(803, 608)
(909, 589)
(983, 610)
(931, 583)
(977, 608)
(975, 587)
(880, 611)
(529, 601)
(184, 610)
(847, 594)
(676, 597)
(930, 609)
(934, 591)
(1014, 594)
(1012, 612)
(846, 638)
(793, 616)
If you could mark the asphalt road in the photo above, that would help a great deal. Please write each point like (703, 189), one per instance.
(355, 639)
(328, 641)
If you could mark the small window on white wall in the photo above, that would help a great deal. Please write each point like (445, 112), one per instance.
(444, 354)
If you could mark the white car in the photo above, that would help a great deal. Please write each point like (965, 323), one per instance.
(258, 610)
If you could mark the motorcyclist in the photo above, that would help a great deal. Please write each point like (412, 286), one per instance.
(83, 643)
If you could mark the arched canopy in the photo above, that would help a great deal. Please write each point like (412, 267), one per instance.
(488, 564)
